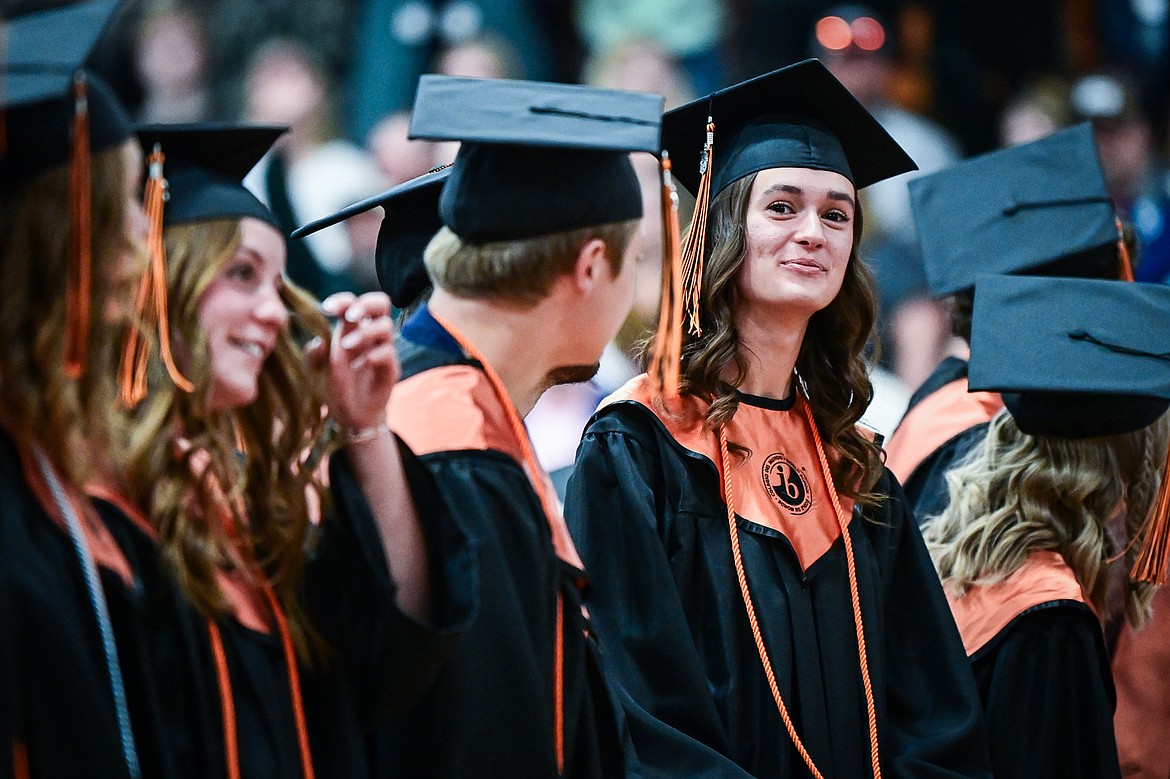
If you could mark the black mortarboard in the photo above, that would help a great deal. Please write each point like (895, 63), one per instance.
(411, 220)
(536, 158)
(205, 165)
(1074, 358)
(43, 55)
(1015, 210)
(799, 116)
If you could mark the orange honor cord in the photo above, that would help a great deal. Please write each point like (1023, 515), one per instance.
(77, 290)
(227, 704)
(1153, 560)
(1126, 270)
(696, 239)
(667, 352)
(151, 303)
(871, 709)
(567, 554)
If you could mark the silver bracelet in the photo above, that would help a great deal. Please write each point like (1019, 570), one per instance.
(365, 434)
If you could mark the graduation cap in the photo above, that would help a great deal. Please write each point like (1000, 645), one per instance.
(205, 165)
(1042, 207)
(55, 113)
(46, 94)
(1075, 358)
(195, 174)
(799, 116)
(1079, 358)
(411, 220)
(536, 158)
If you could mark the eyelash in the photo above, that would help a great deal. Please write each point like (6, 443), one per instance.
(839, 216)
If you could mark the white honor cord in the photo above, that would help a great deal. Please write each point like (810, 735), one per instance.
(97, 600)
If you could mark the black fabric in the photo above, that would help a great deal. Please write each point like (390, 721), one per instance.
(1048, 696)
(490, 712)
(42, 53)
(926, 488)
(648, 519)
(63, 707)
(378, 659)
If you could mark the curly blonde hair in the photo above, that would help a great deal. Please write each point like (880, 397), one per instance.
(1016, 493)
(255, 455)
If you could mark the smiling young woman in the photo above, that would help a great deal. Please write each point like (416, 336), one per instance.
(765, 599)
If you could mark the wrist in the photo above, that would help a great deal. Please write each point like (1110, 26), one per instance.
(361, 434)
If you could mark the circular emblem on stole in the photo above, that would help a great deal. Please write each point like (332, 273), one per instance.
(787, 484)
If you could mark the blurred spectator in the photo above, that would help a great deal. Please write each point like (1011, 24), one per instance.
(310, 173)
(690, 30)
(171, 62)
(399, 158)
(644, 66)
(397, 40)
(858, 46)
(1135, 35)
(1039, 109)
(1139, 184)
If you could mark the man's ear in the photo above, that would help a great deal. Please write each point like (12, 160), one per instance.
(592, 265)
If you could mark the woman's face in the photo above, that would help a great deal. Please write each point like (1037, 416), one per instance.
(242, 315)
(798, 237)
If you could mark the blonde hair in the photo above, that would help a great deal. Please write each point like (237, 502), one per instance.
(1016, 493)
(184, 498)
(519, 271)
(69, 418)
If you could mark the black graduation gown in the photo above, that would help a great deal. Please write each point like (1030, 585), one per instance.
(378, 659)
(60, 702)
(926, 487)
(651, 524)
(1048, 696)
(1039, 658)
(491, 711)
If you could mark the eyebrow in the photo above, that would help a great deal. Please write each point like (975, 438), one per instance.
(793, 190)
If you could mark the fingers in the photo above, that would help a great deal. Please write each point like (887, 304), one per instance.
(367, 333)
(352, 309)
(380, 357)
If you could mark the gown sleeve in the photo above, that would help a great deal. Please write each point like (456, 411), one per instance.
(615, 511)
(934, 724)
(390, 657)
(1049, 696)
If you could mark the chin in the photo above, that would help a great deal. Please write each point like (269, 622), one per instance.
(571, 374)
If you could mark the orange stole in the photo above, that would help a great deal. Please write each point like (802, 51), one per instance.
(982, 612)
(1142, 719)
(937, 419)
(779, 485)
(452, 408)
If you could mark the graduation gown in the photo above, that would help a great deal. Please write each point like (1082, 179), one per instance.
(1142, 721)
(1039, 659)
(646, 508)
(378, 659)
(491, 711)
(942, 423)
(58, 705)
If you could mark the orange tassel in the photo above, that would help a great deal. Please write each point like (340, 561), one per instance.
(664, 360)
(150, 309)
(77, 281)
(1154, 559)
(695, 242)
(1126, 272)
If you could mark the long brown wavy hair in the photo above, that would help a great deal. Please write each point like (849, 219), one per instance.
(1016, 493)
(248, 464)
(69, 419)
(830, 364)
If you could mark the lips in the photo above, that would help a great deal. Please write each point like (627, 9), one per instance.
(804, 265)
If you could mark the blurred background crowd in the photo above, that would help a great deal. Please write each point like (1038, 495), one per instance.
(948, 79)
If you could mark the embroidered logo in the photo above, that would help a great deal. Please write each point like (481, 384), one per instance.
(787, 484)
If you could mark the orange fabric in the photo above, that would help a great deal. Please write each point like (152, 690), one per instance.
(227, 702)
(454, 408)
(102, 545)
(78, 277)
(20, 768)
(982, 612)
(1142, 718)
(935, 420)
(779, 485)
